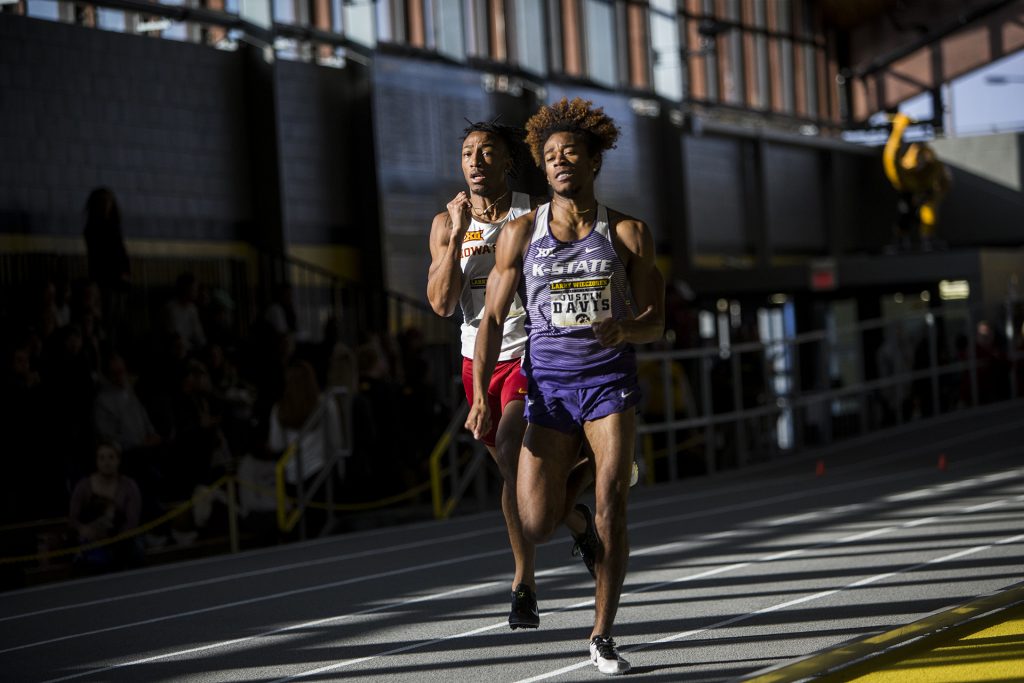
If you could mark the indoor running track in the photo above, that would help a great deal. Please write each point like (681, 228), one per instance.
(729, 576)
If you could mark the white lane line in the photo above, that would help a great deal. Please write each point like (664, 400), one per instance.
(417, 568)
(283, 629)
(256, 572)
(673, 499)
(261, 598)
(291, 548)
(782, 605)
(683, 579)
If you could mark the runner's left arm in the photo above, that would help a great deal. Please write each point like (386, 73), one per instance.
(647, 285)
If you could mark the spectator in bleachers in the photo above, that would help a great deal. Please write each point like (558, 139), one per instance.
(339, 365)
(304, 407)
(377, 442)
(109, 266)
(181, 314)
(121, 418)
(159, 380)
(280, 314)
(86, 300)
(47, 318)
(198, 444)
(218, 319)
(103, 505)
(120, 415)
(232, 394)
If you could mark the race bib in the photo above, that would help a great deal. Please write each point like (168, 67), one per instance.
(478, 290)
(578, 303)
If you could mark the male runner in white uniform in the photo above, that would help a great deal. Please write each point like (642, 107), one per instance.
(462, 243)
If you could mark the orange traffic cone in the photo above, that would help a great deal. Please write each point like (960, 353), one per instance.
(943, 462)
(819, 469)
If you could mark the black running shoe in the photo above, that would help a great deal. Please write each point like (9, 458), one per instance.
(524, 612)
(587, 544)
(605, 656)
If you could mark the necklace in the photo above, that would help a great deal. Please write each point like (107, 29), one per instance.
(572, 212)
(482, 213)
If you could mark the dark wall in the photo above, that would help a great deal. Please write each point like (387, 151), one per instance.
(794, 208)
(715, 195)
(420, 111)
(979, 211)
(157, 121)
(324, 168)
(185, 136)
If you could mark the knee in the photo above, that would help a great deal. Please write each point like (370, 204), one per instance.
(610, 521)
(506, 457)
(536, 528)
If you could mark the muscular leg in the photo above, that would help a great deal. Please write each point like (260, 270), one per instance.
(508, 441)
(581, 476)
(612, 440)
(545, 463)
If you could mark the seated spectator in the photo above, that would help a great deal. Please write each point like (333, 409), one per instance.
(106, 504)
(120, 415)
(303, 407)
(280, 314)
(198, 445)
(181, 314)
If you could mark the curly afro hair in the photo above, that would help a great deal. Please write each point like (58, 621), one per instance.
(577, 116)
(510, 136)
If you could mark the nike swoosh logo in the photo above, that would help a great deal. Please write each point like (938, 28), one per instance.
(590, 249)
(626, 394)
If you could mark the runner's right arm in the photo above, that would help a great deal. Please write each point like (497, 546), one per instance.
(502, 284)
(444, 278)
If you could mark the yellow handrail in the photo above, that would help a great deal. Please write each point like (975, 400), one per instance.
(442, 510)
(285, 522)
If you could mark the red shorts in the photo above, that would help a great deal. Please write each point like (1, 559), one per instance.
(508, 383)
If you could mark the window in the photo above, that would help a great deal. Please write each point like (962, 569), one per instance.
(599, 20)
(110, 20)
(449, 29)
(761, 59)
(176, 30)
(44, 9)
(358, 20)
(284, 11)
(666, 51)
(529, 35)
(785, 25)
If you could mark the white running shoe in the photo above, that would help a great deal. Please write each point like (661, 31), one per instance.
(606, 658)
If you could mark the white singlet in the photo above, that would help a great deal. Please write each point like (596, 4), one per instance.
(477, 260)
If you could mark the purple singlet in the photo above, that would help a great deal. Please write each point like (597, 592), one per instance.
(567, 286)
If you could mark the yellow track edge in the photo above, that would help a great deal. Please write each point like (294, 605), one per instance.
(839, 660)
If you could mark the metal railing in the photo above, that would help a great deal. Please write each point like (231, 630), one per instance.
(293, 511)
(731, 405)
(755, 400)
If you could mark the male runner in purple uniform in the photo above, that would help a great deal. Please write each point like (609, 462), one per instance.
(583, 271)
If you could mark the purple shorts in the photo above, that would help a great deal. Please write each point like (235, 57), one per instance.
(567, 409)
